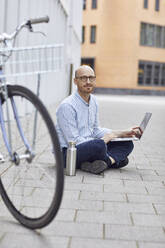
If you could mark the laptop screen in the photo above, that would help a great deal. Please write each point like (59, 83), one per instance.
(145, 121)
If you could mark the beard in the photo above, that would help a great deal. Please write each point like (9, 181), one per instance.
(88, 88)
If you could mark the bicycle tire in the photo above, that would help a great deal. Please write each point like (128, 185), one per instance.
(56, 193)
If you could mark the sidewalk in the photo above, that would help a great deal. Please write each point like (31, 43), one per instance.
(119, 209)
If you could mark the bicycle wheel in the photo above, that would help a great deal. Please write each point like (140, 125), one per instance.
(31, 188)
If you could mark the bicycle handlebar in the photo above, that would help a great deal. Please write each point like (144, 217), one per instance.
(38, 20)
(27, 23)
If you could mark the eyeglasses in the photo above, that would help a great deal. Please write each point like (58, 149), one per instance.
(85, 78)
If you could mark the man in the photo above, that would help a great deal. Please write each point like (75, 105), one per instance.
(77, 120)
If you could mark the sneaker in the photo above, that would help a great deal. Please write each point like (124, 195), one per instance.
(95, 167)
(121, 164)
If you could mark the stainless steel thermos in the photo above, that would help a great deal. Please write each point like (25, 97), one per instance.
(71, 159)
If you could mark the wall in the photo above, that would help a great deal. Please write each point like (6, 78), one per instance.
(64, 15)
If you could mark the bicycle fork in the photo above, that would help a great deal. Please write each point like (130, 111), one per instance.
(15, 157)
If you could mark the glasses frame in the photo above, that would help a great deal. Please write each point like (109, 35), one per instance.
(85, 78)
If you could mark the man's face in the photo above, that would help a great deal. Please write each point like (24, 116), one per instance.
(85, 80)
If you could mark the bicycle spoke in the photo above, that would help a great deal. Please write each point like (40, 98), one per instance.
(28, 184)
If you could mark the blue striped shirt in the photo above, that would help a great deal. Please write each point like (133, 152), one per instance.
(78, 121)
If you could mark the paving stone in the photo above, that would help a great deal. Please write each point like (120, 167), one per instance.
(153, 178)
(103, 217)
(98, 243)
(147, 172)
(92, 180)
(74, 179)
(125, 189)
(150, 166)
(140, 233)
(125, 207)
(133, 184)
(156, 156)
(11, 225)
(84, 187)
(160, 208)
(68, 194)
(67, 229)
(112, 173)
(130, 174)
(160, 172)
(102, 196)
(90, 175)
(82, 204)
(33, 240)
(151, 245)
(159, 164)
(4, 212)
(2, 235)
(143, 164)
(156, 190)
(146, 198)
(148, 220)
(66, 215)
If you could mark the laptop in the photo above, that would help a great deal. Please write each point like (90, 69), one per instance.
(142, 127)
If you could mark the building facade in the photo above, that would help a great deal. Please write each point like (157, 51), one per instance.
(125, 43)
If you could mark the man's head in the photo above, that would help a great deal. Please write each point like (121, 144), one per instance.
(85, 79)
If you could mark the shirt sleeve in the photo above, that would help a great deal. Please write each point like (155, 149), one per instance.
(99, 132)
(67, 122)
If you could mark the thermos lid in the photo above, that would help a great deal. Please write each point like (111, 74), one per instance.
(72, 143)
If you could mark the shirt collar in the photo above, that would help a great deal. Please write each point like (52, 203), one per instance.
(81, 99)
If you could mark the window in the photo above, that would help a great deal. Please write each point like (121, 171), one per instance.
(93, 34)
(94, 4)
(158, 36)
(157, 2)
(143, 35)
(148, 74)
(88, 61)
(83, 34)
(84, 4)
(145, 5)
(163, 75)
(156, 74)
(152, 35)
(163, 37)
(141, 74)
(151, 73)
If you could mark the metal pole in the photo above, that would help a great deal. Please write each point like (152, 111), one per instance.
(5, 16)
(36, 112)
(70, 80)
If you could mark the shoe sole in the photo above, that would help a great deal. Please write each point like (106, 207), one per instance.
(94, 167)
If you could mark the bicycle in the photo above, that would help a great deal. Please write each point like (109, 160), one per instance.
(31, 168)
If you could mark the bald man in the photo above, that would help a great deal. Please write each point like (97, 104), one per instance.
(77, 120)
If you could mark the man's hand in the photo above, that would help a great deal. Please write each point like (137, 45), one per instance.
(137, 132)
(108, 137)
(134, 131)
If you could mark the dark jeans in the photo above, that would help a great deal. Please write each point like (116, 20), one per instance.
(97, 150)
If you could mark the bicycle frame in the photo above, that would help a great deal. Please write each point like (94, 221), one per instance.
(14, 157)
